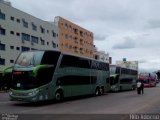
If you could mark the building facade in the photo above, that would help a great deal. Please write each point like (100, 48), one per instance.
(20, 32)
(102, 56)
(74, 39)
(128, 64)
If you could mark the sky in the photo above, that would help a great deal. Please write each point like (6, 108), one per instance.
(123, 28)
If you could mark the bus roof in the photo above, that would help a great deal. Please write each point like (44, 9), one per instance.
(121, 67)
(64, 53)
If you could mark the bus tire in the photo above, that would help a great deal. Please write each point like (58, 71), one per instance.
(97, 92)
(59, 96)
(102, 90)
(133, 87)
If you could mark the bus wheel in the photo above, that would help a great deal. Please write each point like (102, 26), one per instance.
(97, 92)
(133, 87)
(101, 90)
(58, 96)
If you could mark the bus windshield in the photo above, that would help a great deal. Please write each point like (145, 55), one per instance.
(29, 58)
(34, 69)
(112, 69)
(114, 79)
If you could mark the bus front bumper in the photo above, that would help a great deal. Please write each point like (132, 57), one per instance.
(114, 88)
(29, 96)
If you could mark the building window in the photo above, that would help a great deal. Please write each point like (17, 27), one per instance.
(25, 48)
(81, 33)
(2, 15)
(70, 28)
(2, 46)
(81, 41)
(12, 18)
(66, 26)
(17, 48)
(11, 47)
(25, 24)
(54, 34)
(2, 31)
(66, 36)
(18, 20)
(75, 38)
(42, 29)
(34, 27)
(66, 45)
(18, 34)
(11, 61)
(70, 37)
(75, 31)
(25, 37)
(70, 46)
(2, 61)
(96, 57)
(47, 43)
(54, 44)
(12, 32)
(33, 49)
(34, 39)
(42, 42)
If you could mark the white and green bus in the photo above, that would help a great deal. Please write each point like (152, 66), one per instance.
(122, 78)
(47, 75)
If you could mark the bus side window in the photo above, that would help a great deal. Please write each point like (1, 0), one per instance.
(50, 57)
(107, 80)
(72, 61)
(93, 79)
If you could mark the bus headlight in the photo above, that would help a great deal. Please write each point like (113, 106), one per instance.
(113, 87)
(33, 93)
(11, 93)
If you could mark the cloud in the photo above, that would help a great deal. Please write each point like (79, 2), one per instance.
(127, 44)
(154, 24)
(142, 61)
(99, 37)
(127, 28)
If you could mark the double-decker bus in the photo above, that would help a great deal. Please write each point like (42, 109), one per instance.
(47, 75)
(149, 79)
(122, 78)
